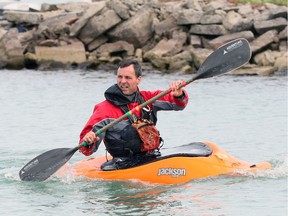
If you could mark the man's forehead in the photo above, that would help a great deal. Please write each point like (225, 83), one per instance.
(126, 70)
(130, 67)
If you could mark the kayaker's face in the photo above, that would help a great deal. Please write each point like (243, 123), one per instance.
(127, 80)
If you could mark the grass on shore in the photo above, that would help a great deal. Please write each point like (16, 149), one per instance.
(277, 2)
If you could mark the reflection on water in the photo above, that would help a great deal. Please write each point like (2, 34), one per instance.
(132, 198)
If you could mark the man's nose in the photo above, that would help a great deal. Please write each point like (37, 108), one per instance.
(122, 80)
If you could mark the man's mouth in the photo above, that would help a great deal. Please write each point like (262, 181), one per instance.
(124, 88)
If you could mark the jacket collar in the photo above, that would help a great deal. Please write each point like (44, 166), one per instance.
(116, 97)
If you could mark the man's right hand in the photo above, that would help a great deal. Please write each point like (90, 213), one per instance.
(90, 138)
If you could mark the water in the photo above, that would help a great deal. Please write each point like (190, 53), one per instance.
(245, 115)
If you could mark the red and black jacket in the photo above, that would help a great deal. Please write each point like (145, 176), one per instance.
(115, 138)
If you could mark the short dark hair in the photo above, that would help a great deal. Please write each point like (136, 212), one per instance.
(135, 63)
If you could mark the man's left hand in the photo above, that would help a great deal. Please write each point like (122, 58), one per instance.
(174, 87)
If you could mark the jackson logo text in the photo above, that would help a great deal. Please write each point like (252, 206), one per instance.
(174, 172)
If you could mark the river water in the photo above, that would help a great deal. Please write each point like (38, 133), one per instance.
(244, 115)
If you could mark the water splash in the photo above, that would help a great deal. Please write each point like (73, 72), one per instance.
(66, 174)
(279, 170)
(11, 173)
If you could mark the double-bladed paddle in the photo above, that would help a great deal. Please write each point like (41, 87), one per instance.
(226, 58)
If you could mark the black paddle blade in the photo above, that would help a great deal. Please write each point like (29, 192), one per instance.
(228, 57)
(46, 164)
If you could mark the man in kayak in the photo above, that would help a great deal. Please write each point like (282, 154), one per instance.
(126, 144)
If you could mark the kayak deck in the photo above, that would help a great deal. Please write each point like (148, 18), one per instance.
(174, 166)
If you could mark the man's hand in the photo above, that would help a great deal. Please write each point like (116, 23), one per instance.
(90, 138)
(174, 87)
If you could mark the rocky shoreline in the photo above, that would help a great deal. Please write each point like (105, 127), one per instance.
(169, 36)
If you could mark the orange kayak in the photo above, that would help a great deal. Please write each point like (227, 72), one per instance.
(175, 165)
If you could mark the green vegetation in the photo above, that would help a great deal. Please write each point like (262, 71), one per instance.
(277, 2)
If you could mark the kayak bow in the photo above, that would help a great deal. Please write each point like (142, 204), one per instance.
(175, 165)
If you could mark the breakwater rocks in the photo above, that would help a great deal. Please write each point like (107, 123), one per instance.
(165, 35)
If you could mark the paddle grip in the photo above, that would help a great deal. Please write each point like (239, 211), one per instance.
(83, 144)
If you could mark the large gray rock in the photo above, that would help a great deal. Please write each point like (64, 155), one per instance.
(98, 25)
(170, 47)
(263, 26)
(109, 49)
(277, 10)
(252, 69)
(166, 48)
(276, 59)
(211, 19)
(94, 9)
(221, 40)
(72, 53)
(213, 29)
(165, 27)
(214, 5)
(263, 40)
(31, 18)
(283, 34)
(19, 17)
(162, 55)
(266, 58)
(283, 46)
(54, 27)
(11, 52)
(137, 30)
(195, 5)
(280, 65)
(234, 22)
(2, 32)
(199, 56)
(97, 42)
(120, 8)
(26, 39)
(188, 16)
(74, 6)
(195, 41)
(246, 10)
(180, 61)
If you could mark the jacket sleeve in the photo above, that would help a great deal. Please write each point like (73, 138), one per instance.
(182, 100)
(167, 102)
(93, 120)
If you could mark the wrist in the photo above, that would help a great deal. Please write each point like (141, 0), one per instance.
(180, 96)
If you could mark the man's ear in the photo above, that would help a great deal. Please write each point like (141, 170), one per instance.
(139, 79)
